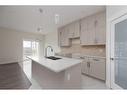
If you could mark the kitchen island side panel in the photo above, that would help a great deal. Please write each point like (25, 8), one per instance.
(47, 79)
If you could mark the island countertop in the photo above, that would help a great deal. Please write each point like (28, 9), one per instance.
(56, 65)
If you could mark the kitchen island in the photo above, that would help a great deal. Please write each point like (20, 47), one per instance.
(64, 73)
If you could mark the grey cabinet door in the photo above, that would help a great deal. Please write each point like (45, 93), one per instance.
(91, 30)
(87, 35)
(63, 37)
(60, 37)
(76, 29)
(85, 67)
(84, 32)
(66, 38)
(100, 28)
(97, 68)
(71, 30)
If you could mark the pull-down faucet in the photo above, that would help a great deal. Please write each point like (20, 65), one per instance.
(46, 49)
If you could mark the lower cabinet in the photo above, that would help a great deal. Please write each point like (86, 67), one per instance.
(85, 66)
(94, 67)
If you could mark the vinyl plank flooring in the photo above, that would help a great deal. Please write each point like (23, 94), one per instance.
(13, 77)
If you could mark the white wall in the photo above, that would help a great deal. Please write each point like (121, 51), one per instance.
(51, 39)
(112, 12)
(11, 44)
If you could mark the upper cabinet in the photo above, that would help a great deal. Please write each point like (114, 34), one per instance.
(67, 32)
(63, 37)
(93, 30)
(87, 36)
(84, 32)
(100, 26)
(74, 29)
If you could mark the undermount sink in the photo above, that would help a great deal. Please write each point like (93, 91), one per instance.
(53, 58)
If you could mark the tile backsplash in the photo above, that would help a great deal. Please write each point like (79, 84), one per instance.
(93, 50)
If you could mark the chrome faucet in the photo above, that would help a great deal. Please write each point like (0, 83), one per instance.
(47, 49)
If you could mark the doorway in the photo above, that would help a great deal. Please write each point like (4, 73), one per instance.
(118, 51)
(30, 48)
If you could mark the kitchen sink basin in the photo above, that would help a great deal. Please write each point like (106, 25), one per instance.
(53, 58)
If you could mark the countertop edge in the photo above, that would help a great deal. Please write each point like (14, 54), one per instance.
(56, 71)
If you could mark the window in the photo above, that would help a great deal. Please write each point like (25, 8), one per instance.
(27, 44)
(30, 48)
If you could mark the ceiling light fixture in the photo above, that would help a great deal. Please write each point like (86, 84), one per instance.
(39, 29)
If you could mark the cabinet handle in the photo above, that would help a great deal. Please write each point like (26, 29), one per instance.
(96, 59)
(88, 64)
(82, 57)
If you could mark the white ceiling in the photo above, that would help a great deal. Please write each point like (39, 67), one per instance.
(28, 18)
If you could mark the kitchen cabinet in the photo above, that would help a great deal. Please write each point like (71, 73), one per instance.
(63, 37)
(97, 68)
(94, 67)
(87, 35)
(77, 29)
(69, 31)
(83, 33)
(93, 30)
(100, 28)
(90, 30)
(74, 29)
(85, 66)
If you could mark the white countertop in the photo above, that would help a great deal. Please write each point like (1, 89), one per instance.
(56, 65)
